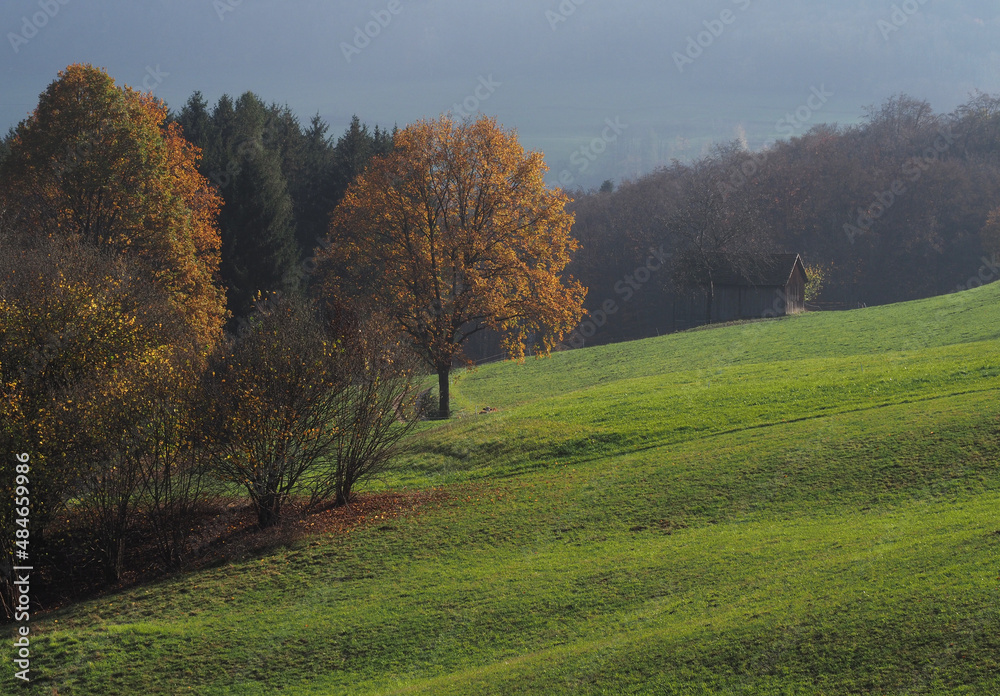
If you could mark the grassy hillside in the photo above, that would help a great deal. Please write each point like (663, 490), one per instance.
(806, 506)
(960, 318)
(627, 397)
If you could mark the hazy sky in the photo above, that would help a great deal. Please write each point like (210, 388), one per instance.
(604, 89)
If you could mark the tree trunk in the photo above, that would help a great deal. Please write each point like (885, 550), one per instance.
(444, 398)
(343, 496)
(115, 559)
(268, 510)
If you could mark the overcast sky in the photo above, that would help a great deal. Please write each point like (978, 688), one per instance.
(671, 77)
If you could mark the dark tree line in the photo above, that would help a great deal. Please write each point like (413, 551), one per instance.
(902, 206)
(279, 181)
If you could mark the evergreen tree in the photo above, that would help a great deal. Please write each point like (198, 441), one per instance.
(259, 252)
(283, 135)
(246, 146)
(300, 175)
(314, 193)
(196, 121)
(354, 151)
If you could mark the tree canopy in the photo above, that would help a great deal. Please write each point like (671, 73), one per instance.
(452, 232)
(278, 180)
(712, 226)
(98, 163)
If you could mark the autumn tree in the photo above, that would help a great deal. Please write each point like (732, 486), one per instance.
(140, 460)
(98, 163)
(452, 232)
(5, 145)
(85, 340)
(174, 469)
(977, 125)
(816, 275)
(376, 408)
(110, 252)
(299, 406)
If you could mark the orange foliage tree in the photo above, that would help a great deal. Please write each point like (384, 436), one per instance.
(93, 359)
(109, 251)
(452, 232)
(99, 164)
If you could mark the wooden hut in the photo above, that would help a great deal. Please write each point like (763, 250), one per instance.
(776, 289)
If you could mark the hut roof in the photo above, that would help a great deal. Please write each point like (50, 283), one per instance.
(775, 270)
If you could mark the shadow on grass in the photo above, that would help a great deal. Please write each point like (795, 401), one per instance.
(69, 571)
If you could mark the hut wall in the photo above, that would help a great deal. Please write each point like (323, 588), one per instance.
(733, 302)
(727, 304)
(763, 302)
(795, 292)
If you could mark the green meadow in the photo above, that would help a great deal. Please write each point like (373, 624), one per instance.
(808, 505)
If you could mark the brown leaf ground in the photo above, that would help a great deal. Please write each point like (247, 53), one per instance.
(224, 533)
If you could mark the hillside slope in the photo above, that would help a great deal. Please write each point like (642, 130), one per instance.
(965, 317)
(806, 506)
(629, 396)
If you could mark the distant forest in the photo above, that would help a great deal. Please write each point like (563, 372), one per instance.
(903, 206)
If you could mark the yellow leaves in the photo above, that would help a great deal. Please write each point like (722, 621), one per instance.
(456, 225)
(133, 187)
